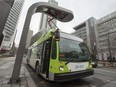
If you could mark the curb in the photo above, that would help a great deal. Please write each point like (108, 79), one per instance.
(29, 79)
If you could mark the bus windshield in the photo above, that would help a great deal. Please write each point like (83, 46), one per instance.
(71, 50)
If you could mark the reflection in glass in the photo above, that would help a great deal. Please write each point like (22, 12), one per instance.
(71, 50)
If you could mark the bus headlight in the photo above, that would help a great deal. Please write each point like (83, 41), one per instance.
(61, 68)
(90, 66)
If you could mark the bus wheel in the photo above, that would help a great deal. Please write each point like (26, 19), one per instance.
(37, 68)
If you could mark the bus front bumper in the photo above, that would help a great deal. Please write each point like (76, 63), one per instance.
(72, 75)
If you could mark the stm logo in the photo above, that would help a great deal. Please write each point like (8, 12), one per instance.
(79, 66)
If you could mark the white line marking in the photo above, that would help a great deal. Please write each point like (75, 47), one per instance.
(113, 81)
(105, 71)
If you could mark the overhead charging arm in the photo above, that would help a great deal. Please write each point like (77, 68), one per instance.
(59, 13)
(50, 20)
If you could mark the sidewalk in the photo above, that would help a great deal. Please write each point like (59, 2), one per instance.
(106, 64)
(6, 68)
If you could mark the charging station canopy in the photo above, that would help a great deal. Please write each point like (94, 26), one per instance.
(59, 13)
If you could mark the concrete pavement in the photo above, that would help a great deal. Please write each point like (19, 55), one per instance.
(6, 68)
(106, 64)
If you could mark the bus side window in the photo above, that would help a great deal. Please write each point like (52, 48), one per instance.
(54, 49)
(33, 54)
(29, 53)
(39, 50)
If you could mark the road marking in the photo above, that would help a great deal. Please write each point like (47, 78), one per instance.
(99, 78)
(113, 81)
(107, 80)
(105, 71)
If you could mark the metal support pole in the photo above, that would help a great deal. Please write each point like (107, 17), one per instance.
(21, 49)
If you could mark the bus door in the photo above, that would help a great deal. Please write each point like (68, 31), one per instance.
(46, 58)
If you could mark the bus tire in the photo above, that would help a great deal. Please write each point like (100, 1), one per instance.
(37, 68)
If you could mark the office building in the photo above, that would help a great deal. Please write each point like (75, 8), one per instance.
(9, 31)
(86, 31)
(106, 36)
(5, 7)
(100, 36)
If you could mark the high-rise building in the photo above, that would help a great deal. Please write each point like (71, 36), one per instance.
(9, 31)
(106, 36)
(44, 18)
(5, 6)
(100, 36)
(86, 31)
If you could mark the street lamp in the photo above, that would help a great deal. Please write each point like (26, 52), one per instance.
(61, 14)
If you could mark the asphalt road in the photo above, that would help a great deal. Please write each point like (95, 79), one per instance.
(103, 77)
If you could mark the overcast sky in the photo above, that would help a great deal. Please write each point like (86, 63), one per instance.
(82, 9)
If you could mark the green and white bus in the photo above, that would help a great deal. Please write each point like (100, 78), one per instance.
(59, 56)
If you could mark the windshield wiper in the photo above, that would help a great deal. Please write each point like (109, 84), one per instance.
(69, 61)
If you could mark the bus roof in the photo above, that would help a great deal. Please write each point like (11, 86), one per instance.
(47, 34)
(69, 36)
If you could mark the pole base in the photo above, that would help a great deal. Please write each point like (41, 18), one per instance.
(14, 81)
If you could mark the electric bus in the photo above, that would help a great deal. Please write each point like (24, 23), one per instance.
(58, 56)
